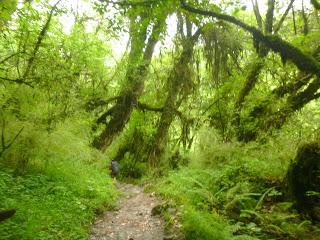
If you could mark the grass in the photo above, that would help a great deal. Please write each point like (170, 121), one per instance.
(58, 188)
(48, 208)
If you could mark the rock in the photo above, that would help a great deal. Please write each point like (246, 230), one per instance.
(303, 180)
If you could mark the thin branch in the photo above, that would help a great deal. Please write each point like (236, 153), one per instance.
(146, 3)
(5, 146)
(211, 105)
(10, 56)
(278, 26)
(182, 117)
(39, 40)
(12, 141)
(19, 81)
(294, 21)
(292, 87)
(257, 14)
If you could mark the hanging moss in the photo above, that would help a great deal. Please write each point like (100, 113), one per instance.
(303, 61)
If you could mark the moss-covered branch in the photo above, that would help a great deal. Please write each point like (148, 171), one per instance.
(143, 107)
(287, 51)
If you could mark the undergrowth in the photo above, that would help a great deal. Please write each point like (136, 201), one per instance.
(234, 191)
(56, 183)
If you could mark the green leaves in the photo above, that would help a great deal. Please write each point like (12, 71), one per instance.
(7, 7)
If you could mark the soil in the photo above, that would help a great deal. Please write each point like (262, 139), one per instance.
(132, 220)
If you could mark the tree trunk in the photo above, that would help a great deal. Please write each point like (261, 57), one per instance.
(179, 78)
(258, 64)
(136, 73)
(298, 93)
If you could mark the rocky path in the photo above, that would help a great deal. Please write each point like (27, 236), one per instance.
(132, 220)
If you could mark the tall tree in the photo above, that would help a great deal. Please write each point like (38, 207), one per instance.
(180, 82)
(142, 46)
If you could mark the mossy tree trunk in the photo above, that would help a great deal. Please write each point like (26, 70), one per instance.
(257, 65)
(139, 60)
(179, 81)
(296, 93)
(304, 62)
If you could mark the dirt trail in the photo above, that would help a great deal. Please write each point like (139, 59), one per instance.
(132, 220)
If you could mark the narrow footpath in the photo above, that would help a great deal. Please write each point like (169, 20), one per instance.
(132, 220)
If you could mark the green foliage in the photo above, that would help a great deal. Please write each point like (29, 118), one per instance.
(131, 167)
(226, 189)
(231, 188)
(203, 225)
(62, 184)
(7, 7)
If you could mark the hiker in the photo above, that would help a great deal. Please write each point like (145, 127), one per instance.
(114, 168)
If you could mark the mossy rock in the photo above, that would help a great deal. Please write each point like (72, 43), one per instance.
(303, 178)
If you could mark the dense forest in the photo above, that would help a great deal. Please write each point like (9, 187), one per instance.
(211, 105)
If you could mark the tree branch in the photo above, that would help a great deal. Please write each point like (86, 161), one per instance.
(269, 17)
(39, 40)
(95, 103)
(257, 14)
(278, 26)
(10, 56)
(146, 3)
(19, 81)
(103, 117)
(5, 146)
(143, 107)
(303, 61)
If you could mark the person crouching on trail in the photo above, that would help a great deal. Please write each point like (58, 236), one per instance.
(114, 168)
